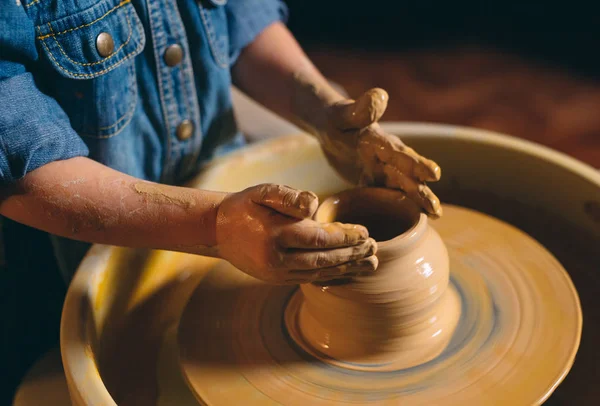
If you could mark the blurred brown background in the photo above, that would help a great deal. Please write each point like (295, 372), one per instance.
(527, 69)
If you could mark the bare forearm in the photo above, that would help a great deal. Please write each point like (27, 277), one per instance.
(275, 71)
(84, 200)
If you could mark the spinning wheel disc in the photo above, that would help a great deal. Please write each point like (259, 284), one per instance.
(516, 339)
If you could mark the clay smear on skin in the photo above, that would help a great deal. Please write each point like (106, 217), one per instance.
(359, 139)
(165, 194)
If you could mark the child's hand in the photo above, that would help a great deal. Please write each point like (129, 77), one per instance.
(266, 232)
(364, 154)
(357, 148)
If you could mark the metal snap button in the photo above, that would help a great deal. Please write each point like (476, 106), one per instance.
(173, 55)
(185, 130)
(105, 44)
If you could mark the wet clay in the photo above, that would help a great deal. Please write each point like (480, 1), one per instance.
(399, 317)
(511, 345)
(161, 194)
(360, 113)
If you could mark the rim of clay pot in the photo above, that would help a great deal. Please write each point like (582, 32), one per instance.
(381, 202)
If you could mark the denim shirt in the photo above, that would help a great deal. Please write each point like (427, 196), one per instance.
(62, 95)
(61, 98)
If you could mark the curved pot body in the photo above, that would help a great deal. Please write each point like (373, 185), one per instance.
(401, 316)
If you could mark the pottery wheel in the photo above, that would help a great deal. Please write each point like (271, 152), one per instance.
(515, 341)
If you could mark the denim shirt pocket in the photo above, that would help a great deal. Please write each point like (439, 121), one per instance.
(98, 93)
(214, 20)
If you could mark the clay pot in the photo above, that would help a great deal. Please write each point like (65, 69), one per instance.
(399, 317)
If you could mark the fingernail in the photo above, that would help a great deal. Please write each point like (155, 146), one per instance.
(367, 265)
(308, 202)
(373, 247)
(436, 172)
(361, 232)
(354, 238)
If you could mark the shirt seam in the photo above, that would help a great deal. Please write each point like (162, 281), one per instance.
(211, 38)
(127, 116)
(188, 89)
(174, 23)
(90, 75)
(100, 61)
(121, 4)
(32, 3)
(161, 90)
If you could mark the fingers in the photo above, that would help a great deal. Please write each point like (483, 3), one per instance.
(422, 168)
(389, 162)
(392, 150)
(313, 259)
(340, 272)
(311, 235)
(291, 202)
(367, 109)
(417, 192)
(322, 252)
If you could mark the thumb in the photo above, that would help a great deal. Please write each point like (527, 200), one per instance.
(286, 200)
(367, 109)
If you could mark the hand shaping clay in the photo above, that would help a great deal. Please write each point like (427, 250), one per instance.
(242, 341)
(399, 317)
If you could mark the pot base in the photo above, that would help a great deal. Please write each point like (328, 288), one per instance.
(515, 341)
(410, 352)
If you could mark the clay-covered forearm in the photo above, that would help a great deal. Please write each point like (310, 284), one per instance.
(81, 199)
(275, 71)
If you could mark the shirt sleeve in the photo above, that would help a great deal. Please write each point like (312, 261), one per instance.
(34, 130)
(248, 18)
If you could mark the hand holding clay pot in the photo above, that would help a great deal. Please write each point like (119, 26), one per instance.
(267, 232)
(364, 154)
(403, 315)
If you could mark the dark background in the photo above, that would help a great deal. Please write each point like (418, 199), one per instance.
(565, 33)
